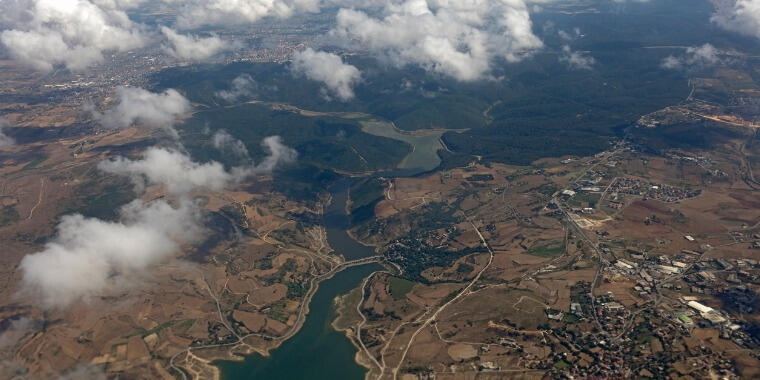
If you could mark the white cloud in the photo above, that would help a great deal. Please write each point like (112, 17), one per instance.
(695, 57)
(278, 154)
(197, 13)
(119, 4)
(671, 62)
(179, 174)
(191, 47)
(576, 60)
(87, 257)
(570, 36)
(91, 257)
(5, 140)
(743, 16)
(243, 86)
(329, 69)
(705, 54)
(137, 106)
(171, 168)
(77, 33)
(224, 141)
(451, 37)
(72, 33)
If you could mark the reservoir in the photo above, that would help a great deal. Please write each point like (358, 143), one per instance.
(317, 351)
(337, 223)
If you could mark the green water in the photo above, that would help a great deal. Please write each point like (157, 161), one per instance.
(425, 153)
(337, 222)
(317, 351)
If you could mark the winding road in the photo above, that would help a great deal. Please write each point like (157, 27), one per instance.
(433, 317)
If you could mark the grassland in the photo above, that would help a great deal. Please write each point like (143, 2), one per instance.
(346, 310)
(400, 287)
(34, 163)
(589, 199)
(547, 250)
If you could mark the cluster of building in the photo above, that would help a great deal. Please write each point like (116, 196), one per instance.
(650, 190)
(135, 68)
(655, 344)
(656, 331)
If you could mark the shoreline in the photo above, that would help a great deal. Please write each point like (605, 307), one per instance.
(239, 350)
(238, 356)
(232, 355)
(350, 331)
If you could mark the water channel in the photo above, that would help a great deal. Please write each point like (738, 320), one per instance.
(317, 351)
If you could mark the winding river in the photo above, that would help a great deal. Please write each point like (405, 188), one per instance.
(317, 351)
(337, 223)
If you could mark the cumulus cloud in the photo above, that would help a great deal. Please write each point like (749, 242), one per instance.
(279, 154)
(119, 4)
(329, 69)
(89, 256)
(694, 57)
(71, 33)
(191, 47)
(5, 140)
(570, 36)
(197, 13)
(75, 34)
(171, 168)
(136, 106)
(705, 54)
(451, 37)
(743, 16)
(179, 174)
(224, 141)
(576, 60)
(243, 86)
(671, 62)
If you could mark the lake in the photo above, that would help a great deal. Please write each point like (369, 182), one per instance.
(317, 351)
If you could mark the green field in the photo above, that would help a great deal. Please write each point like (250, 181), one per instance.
(33, 164)
(400, 287)
(547, 250)
(590, 199)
